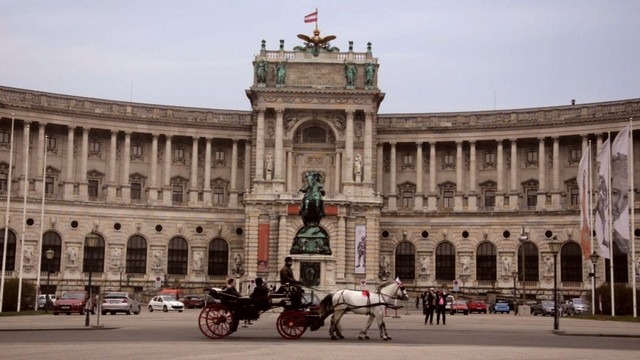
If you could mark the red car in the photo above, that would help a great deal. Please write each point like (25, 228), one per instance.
(459, 306)
(478, 306)
(72, 302)
(193, 301)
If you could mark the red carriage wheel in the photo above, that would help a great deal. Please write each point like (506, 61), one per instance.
(215, 321)
(291, 324)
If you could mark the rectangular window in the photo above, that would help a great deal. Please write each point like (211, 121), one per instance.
(489, 198)
(51, 143)
(5, 137)
(532, 197)
(575, 195)
(136, 191)
(93, 189)
(447, 197)
(3, 182)
(407, 160)
(218, 195)
(178, 153)
(177, 193)
(48, 186)
(448, 159)
(490, 158)
(94, 147)
(407, 199)
(219, 156)
(532, 156)
(137, 150)
(575, 154)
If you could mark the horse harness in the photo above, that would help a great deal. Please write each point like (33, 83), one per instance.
(369, 305)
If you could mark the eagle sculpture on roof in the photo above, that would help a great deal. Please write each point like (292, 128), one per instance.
(316, 43)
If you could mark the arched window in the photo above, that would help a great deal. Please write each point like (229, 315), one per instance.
(486, 262)
(571, 262)
(11, 250)
(218, 257)
(405, 261)
(136, 255)
(51, 240)
(445, 261)
(93, 258)
(528, 265)
(178, 256)
(620, 266)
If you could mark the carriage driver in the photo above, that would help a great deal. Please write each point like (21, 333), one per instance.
(286, 277)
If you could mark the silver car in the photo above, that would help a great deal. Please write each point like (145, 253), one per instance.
(581, 306)
(115, 302)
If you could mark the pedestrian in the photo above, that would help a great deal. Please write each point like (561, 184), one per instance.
(441, 307)
(429, 306)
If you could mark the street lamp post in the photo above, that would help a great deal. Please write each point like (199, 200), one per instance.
(554, 247)
(47, 301)
(514, 274)
(91, 241)
(523, 238)
(594, 260)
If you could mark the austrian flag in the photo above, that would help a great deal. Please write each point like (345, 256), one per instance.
(313, 17)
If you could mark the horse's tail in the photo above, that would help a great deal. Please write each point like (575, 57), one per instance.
(326, 306)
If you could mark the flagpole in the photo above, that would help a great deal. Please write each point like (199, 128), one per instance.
(44, 188)
(631, 234)
(613, 307)
(591, 226)
(24, 211)
(6, 220)
(317, 18)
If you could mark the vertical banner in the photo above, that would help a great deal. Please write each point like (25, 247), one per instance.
(602, 198)
(620, 190)
(584, 190)
(361, 249)
(263, 247)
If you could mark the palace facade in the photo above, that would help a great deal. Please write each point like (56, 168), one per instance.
(188, 197)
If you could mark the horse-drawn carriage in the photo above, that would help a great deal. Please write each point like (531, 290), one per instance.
(222, 317)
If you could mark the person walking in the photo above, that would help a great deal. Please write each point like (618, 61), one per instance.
(441, 307)
(429, 306)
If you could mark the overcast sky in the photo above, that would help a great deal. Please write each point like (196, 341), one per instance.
(435, 56)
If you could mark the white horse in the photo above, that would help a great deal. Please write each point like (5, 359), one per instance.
(362, 302)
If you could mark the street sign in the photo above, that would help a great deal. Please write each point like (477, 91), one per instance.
(363, 282)
(456, 286)
(158, 283)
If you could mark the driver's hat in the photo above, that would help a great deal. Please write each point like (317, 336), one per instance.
(288, 259)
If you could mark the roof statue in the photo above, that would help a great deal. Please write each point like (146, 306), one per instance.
(316, 43)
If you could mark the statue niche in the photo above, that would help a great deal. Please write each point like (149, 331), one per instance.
(312, 239)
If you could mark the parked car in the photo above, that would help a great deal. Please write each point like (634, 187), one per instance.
(500, 306)
(165, 303)
(73, 302)
(115, 302)
(193, 301)
(478, 306)
(544, 308)
(42, 300)
(581, 306)
(449, 300)
(459, 306)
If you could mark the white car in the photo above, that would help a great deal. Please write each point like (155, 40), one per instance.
(165, 303)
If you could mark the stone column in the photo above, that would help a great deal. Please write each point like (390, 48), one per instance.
(473, 170)
(69, 180)
(500, 176)
(556, 192)
(368, 148)
(515, 166)
(206, 187)
(393, 194)
(419, 196)
(290, 171)
(585, 142)
(598, 143)
(347, 176)
(126, 164)
(25, 153)
(167, 197)
(542, 181)
(260, 146)
(457, 204)
(380, 169)
(338, 166)
(233, 193)
(112, 185)
(433, 195)
(193, 181)
(83, 185)
(278, 157)
(38, 179)
(247, 165)
(153, 178)
(341, 248)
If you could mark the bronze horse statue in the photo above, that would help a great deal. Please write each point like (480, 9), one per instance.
(312, 208)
